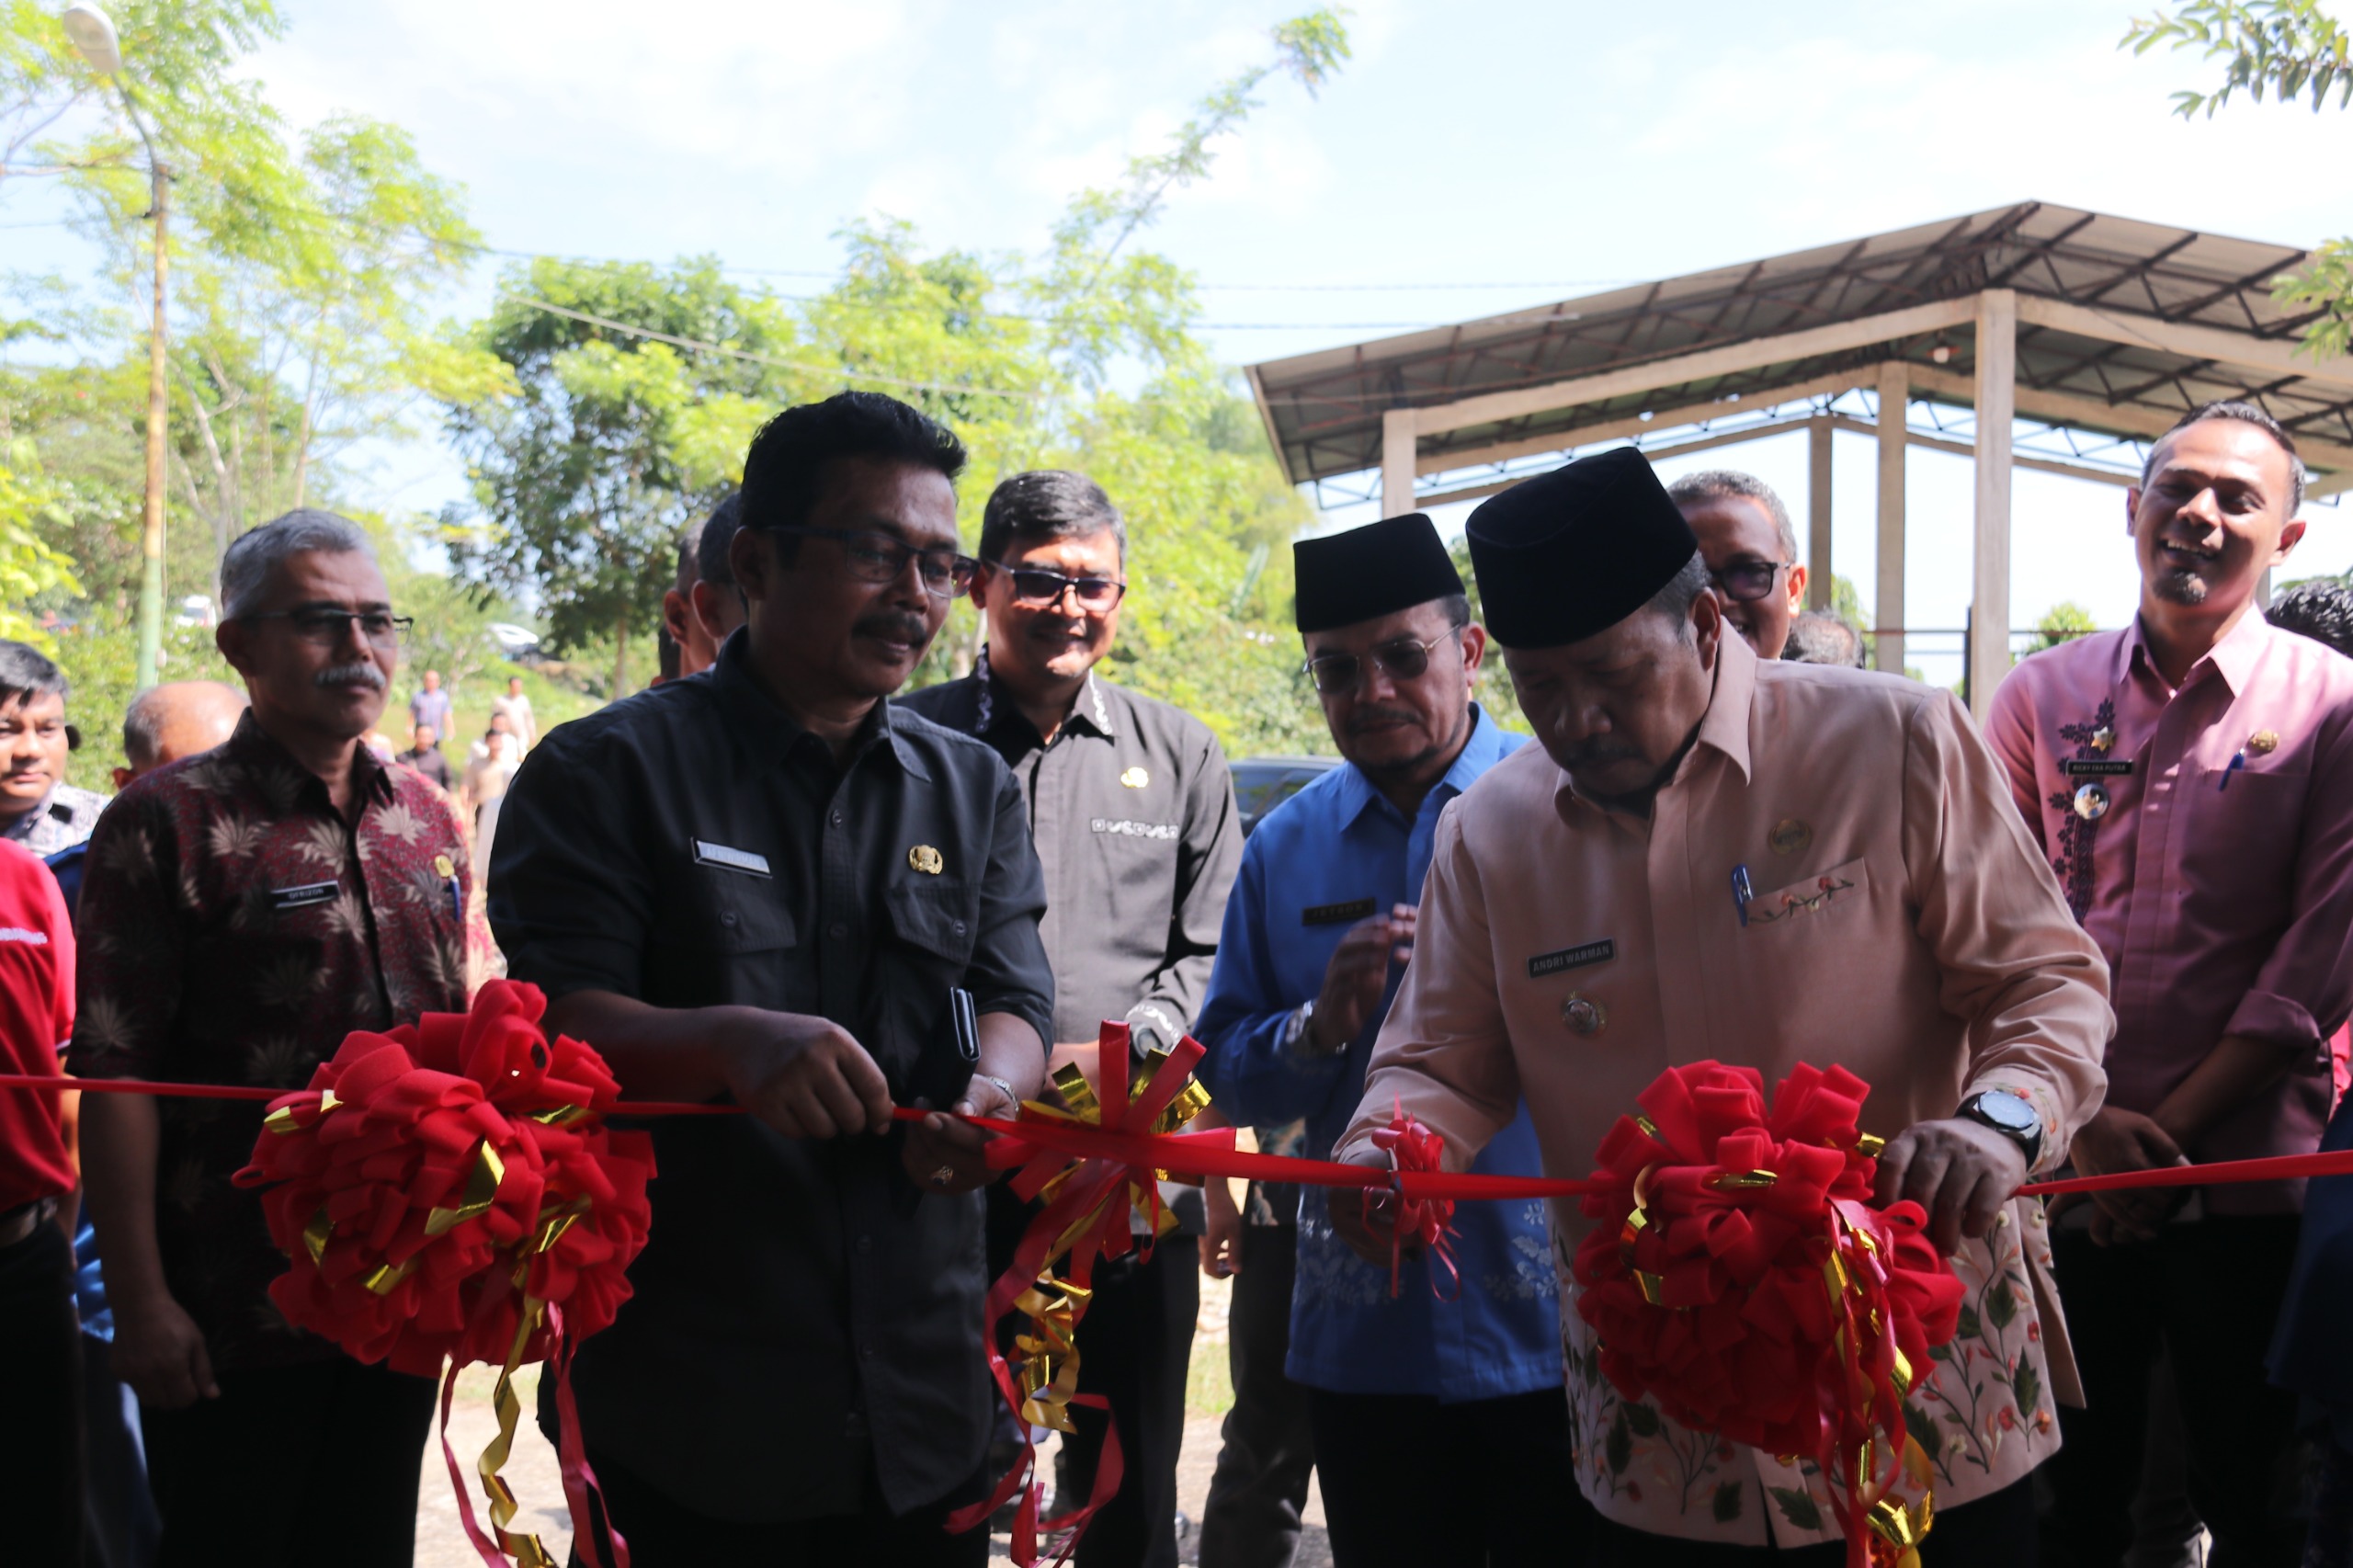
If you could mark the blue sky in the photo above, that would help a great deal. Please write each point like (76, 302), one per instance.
(1555, 147)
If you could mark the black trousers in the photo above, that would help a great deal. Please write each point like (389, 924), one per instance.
(663, 1533)
(1268, 1456)
(2209, 1292)
(288, 1460)
(1993, 1531)
(1135, 1345)
(40, 1402)
(119, 1508)
(1411, 1481)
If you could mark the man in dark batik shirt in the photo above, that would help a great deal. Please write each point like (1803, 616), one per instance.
(242, 911)
(763, 882)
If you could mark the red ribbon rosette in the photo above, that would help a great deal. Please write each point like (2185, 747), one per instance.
(1427, 1222)
(447, 1193)
(1741, 1280)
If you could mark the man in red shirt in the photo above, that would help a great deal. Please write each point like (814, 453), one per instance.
(40, 1382)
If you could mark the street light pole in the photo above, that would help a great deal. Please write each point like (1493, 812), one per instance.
(93, 34)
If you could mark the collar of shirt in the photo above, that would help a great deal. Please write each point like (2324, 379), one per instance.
(255, 749)
(21, 826)
(1487, 746)
(1723, 728)
(770, 735)
(994, 705)
(2233, 658)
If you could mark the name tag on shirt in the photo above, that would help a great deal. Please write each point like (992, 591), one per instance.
(2095, 768)
(307, 894)
(708, 853)
(1577, 956)
(1122, 828)
(1353, 910)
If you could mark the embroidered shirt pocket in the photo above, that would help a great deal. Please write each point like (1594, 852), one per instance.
(1812, 899)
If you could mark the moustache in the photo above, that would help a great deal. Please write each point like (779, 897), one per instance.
(1364, 719)
(912, 630)
(363, 674)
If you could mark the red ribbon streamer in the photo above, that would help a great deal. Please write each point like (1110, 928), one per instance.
(1201, 1154)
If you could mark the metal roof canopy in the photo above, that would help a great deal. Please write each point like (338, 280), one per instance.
(2082, 322)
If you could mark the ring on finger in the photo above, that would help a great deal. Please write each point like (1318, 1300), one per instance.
(943, 1176)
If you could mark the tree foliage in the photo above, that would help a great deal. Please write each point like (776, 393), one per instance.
(636, 388)
(2287, 49)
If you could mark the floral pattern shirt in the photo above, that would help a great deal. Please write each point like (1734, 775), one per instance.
(234, 927)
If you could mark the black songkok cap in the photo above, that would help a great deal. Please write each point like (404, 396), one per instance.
(1370, 572)
(1576, 550)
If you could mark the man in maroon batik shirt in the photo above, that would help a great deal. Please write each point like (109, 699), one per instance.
(244, 910)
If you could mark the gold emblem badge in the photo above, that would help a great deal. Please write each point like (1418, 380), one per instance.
(1583, 1014)
(1135, 778)
(2104, 739)
(442, 867)
(2263, 743)
(1789, 836)
(924, 858)
(2091, 801)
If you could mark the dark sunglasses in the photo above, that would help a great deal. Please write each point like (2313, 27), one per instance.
(1038, 588)
(1749, 579)
(874, 556)
(1405, 659)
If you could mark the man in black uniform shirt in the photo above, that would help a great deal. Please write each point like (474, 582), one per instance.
(762, 885)
(1132, 809)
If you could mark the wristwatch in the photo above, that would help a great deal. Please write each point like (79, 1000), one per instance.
(1299, 1036)
(2010, 1115)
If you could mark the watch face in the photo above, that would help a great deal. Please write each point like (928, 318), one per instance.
(2009, 1112)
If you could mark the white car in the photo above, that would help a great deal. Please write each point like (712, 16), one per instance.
(515, 642)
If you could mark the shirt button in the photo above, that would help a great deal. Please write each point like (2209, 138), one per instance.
(959, 927)
(836, 819)
(866, 1244)
(865, 1353)
(728, 918)
(837, 930)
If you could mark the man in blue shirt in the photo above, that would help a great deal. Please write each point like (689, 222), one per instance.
(1441, 1427)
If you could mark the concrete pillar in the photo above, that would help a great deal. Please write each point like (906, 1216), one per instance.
(1818, 507)
(1895, 393)
(1396, 462)
(1997, 361)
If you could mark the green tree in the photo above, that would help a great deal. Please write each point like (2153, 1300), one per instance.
(31, 570)
(2286, 48)
(635, 390)
(2063, 622)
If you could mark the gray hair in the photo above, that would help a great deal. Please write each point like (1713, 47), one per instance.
(1819, 636)
(2246, 414)
(245, 568)
(1675, 600)
(1719, 484)
(144, 721)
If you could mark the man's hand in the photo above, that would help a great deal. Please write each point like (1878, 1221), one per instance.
(2119, 1140)
(159, 1351)
(945, 1155)
(1371, 1231)
(1357, 974)
(1222, 1233)
(1959, 1171)
(805, 1076)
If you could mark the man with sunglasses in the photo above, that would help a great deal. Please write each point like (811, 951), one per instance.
(1439, 1428)
(1132, 806)
(766, 884)
(1751, 550)
(245, 909)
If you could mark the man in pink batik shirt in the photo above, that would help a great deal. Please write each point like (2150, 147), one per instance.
(2190, 778)
(1712, 856)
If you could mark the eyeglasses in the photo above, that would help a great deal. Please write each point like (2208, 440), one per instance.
(1749, 578)
(1038, 588)
(327, 628)
(1403, 659)
(874, 556)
